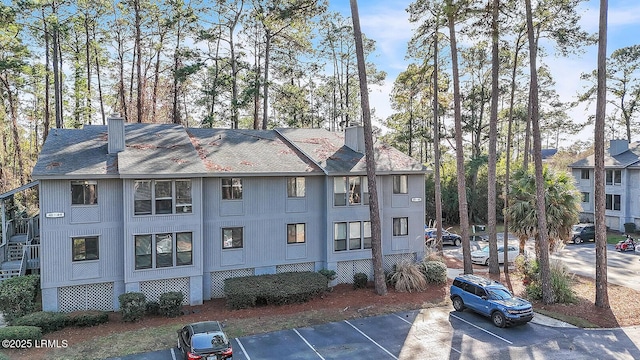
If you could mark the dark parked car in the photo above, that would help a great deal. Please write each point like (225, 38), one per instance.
(204, 341)
(489, 298)
(447, 237)
(582, 232)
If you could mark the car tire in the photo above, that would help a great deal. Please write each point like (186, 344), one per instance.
(458, 304)
(577, 240)
(456, 242)
(486, 262)
(498, 319)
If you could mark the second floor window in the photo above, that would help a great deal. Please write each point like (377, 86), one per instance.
(231, 189)
(400, 184)
(352, 190)
(296, 187)
(162, 197)
(85, 248)
(613, 177)
(584, 174)
(585, 197)
(84, 192)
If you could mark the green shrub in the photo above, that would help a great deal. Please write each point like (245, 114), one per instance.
(407, 277)
(560, 284)
(48, 321)
(132, 306)
(18, 296)
(360, 280)
(20, 333)
(88, 318)
(434, 271)
(277, 289)
(171, 303)
(329, 274)
(153, 308)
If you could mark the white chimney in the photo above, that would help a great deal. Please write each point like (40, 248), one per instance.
(115, 125)
(354, 138)
(618, 146)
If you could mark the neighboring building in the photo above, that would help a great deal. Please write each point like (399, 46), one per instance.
(622, 184)
(156, 208)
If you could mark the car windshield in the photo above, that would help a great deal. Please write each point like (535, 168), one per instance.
(499, 294)
(486, 249)
(577, 228)
(208, 341)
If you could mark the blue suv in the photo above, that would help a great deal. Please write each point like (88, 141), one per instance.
(489, 298)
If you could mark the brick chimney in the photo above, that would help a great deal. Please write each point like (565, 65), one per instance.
(115, 125)
(354, 138)
(618, 146)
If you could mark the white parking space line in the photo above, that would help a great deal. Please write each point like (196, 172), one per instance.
(479, 328)
(173, 354)
(309, 345)
(403, 319)
(373, 341)
(243, 349)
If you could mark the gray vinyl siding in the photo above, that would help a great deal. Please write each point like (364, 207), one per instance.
(263, 213)
(102, 220)
(157, 224)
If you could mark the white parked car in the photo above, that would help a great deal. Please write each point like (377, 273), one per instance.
(482, 256)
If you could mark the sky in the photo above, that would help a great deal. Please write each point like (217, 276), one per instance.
(387, 22)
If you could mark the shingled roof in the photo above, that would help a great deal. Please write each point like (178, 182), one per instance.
(168, 150)
(625, 159)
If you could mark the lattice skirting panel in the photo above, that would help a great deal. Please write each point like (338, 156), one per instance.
(86, 297)
(218, 277)
(154, 288)
(388, 261)
(347, 269)
(299, 267)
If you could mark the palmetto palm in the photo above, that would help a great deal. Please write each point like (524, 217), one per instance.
(562, 204)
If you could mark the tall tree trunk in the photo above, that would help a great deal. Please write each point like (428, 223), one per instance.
(436, 143)
(97, 60)
(463, 207)
(14, 129)
(47, 80)
(494, 267)
(543, 235)
(136, 7)
(57, 77)
(265, 91)
(602, 294)
(88, 62)
(175, 113)
(374, 211)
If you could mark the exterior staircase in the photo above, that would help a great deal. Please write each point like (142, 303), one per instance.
(21, 253)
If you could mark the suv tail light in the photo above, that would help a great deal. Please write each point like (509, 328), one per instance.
(192, 356)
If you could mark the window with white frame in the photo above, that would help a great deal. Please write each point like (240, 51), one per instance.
(163, 250)
(232, 238)
(400, 226)
(231, 189)
(296, 233)
(400, 184)
(162, 197)
(85, 248)
(612, 202)
(84, 192)
(296, 187)
(353, 235)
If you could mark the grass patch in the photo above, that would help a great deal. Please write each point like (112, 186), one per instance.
(579, 322)
(614, 238)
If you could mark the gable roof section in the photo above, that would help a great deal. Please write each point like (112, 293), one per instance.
(627, 159)
(75, 153)
(170, 150)
(249, 152)
(327, 149)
